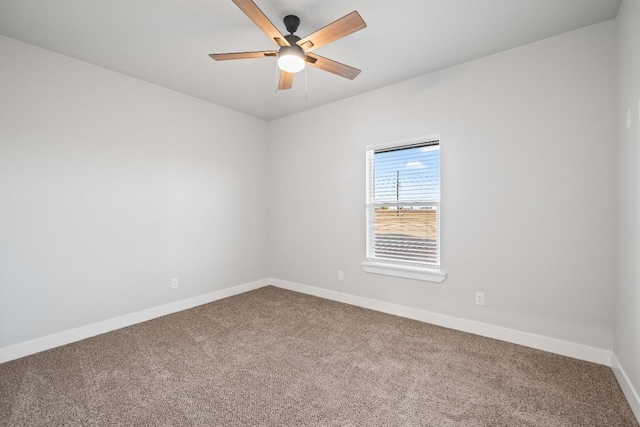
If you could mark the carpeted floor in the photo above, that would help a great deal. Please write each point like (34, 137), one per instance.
(278, 358)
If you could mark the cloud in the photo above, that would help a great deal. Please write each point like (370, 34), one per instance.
(415, 165)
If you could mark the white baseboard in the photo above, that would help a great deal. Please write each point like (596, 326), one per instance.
(552, 345)
(66, 337)
(627, 387)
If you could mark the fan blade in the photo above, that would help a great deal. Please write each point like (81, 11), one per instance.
(243, 55)
(336, 30)
(255, 14)
(332, 66)
(286, 80)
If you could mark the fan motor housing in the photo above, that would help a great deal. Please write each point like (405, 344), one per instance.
(293, 48)
(292, 39)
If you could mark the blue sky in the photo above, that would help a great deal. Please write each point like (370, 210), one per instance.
(416, 169)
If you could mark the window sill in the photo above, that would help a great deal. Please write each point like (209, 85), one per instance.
(399, 270)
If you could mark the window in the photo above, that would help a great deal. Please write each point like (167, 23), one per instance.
(403, 209)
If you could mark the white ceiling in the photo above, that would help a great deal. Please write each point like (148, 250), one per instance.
(167, 42)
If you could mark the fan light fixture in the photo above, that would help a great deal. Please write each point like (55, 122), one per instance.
(291, 59)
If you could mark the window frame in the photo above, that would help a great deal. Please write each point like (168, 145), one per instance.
(406, 269)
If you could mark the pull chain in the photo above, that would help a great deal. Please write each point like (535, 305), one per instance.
(306, 92)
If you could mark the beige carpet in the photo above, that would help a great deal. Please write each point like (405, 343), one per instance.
(277, 358)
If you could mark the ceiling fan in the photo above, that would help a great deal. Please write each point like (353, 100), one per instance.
(295, 52)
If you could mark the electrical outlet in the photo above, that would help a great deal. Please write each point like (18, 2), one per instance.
(479, 298)
(174, 283)
(340, 275)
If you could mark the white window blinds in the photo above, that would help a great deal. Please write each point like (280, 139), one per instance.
(403, 204)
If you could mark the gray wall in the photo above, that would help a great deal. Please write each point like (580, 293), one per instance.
(110, 186)
(627, 290)
(527, 180)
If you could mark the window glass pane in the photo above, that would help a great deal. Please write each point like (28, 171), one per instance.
(406, 233)
(403, 197)
(411, 174)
